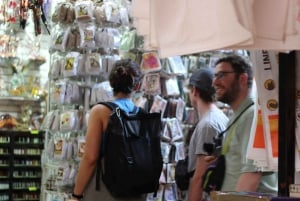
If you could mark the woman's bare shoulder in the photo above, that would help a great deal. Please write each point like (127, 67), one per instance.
(100, 110)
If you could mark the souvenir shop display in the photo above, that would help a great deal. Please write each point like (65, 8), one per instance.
(22, 101)
(78, 80)
(85, 42)
(86, 38)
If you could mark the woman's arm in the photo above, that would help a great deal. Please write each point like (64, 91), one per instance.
(97, 123)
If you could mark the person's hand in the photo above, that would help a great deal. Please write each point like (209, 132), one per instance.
(210, 159)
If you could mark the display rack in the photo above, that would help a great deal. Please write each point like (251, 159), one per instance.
(20, 164)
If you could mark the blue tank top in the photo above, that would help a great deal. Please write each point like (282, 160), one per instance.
(126, 104)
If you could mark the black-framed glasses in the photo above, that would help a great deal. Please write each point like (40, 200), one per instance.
(221, 74)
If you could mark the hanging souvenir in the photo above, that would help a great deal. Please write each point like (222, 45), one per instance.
(151, 84)
(104, 39)
(81, 147)
(58, 91)
(150, 62)
(68, 121)
(87, 35)
(71, 64)
(59, 38)
(159, 105)
(93, 64)
(171, 86)
(180, 151)
(177, 66)
(128, 40)
(83, 10)
(180, 108)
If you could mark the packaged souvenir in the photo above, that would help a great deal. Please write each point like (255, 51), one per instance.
(93, 64)
(56, 66)
(165, 150)
(81, 146)
(60, 147)
(48, 120)
(99, 13)
(59, 38)
(124, 16)
(56, 121)
(159, 105)
(177, 66)
(180, 108)
(150, 62)
(104, 39)
(151, 84)
(180, 151)
(128, 40)
(112, 13)
(171, 86)
(71, 64)
(101, 92)
(87, 35)
(81, 65)
(58, 91)
(170, 173)
(83, 10)
(166, 135)
(68, 120)
(175, 129)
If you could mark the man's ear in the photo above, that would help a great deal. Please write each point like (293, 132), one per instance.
(195, 91)
(244, 79)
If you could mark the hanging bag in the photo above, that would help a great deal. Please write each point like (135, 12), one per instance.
(182, 175)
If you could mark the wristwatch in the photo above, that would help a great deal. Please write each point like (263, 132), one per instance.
(79, 197)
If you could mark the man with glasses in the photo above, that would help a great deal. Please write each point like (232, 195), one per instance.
(233, 78)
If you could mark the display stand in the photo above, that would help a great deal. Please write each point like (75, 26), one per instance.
(20, 165)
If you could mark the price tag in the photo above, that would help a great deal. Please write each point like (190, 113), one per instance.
(32, 188)
(34, 132)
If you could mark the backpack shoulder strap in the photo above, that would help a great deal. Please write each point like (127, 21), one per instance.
(113, 107)
(110, 105)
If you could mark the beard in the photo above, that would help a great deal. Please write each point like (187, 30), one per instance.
(230, 94)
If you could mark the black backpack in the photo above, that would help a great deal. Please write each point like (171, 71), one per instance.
(130, 153)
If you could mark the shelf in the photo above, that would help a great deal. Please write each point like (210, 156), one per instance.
(15, 167)
(26, 155)
(29, 145)
(30, 189)
(27, 167)
(21, 133)
(27, 178)
(20, 98)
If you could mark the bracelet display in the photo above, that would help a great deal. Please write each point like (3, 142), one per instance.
(79, 197)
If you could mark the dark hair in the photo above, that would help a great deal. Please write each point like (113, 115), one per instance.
(239, 66)
(124, 75)
(208, 95)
